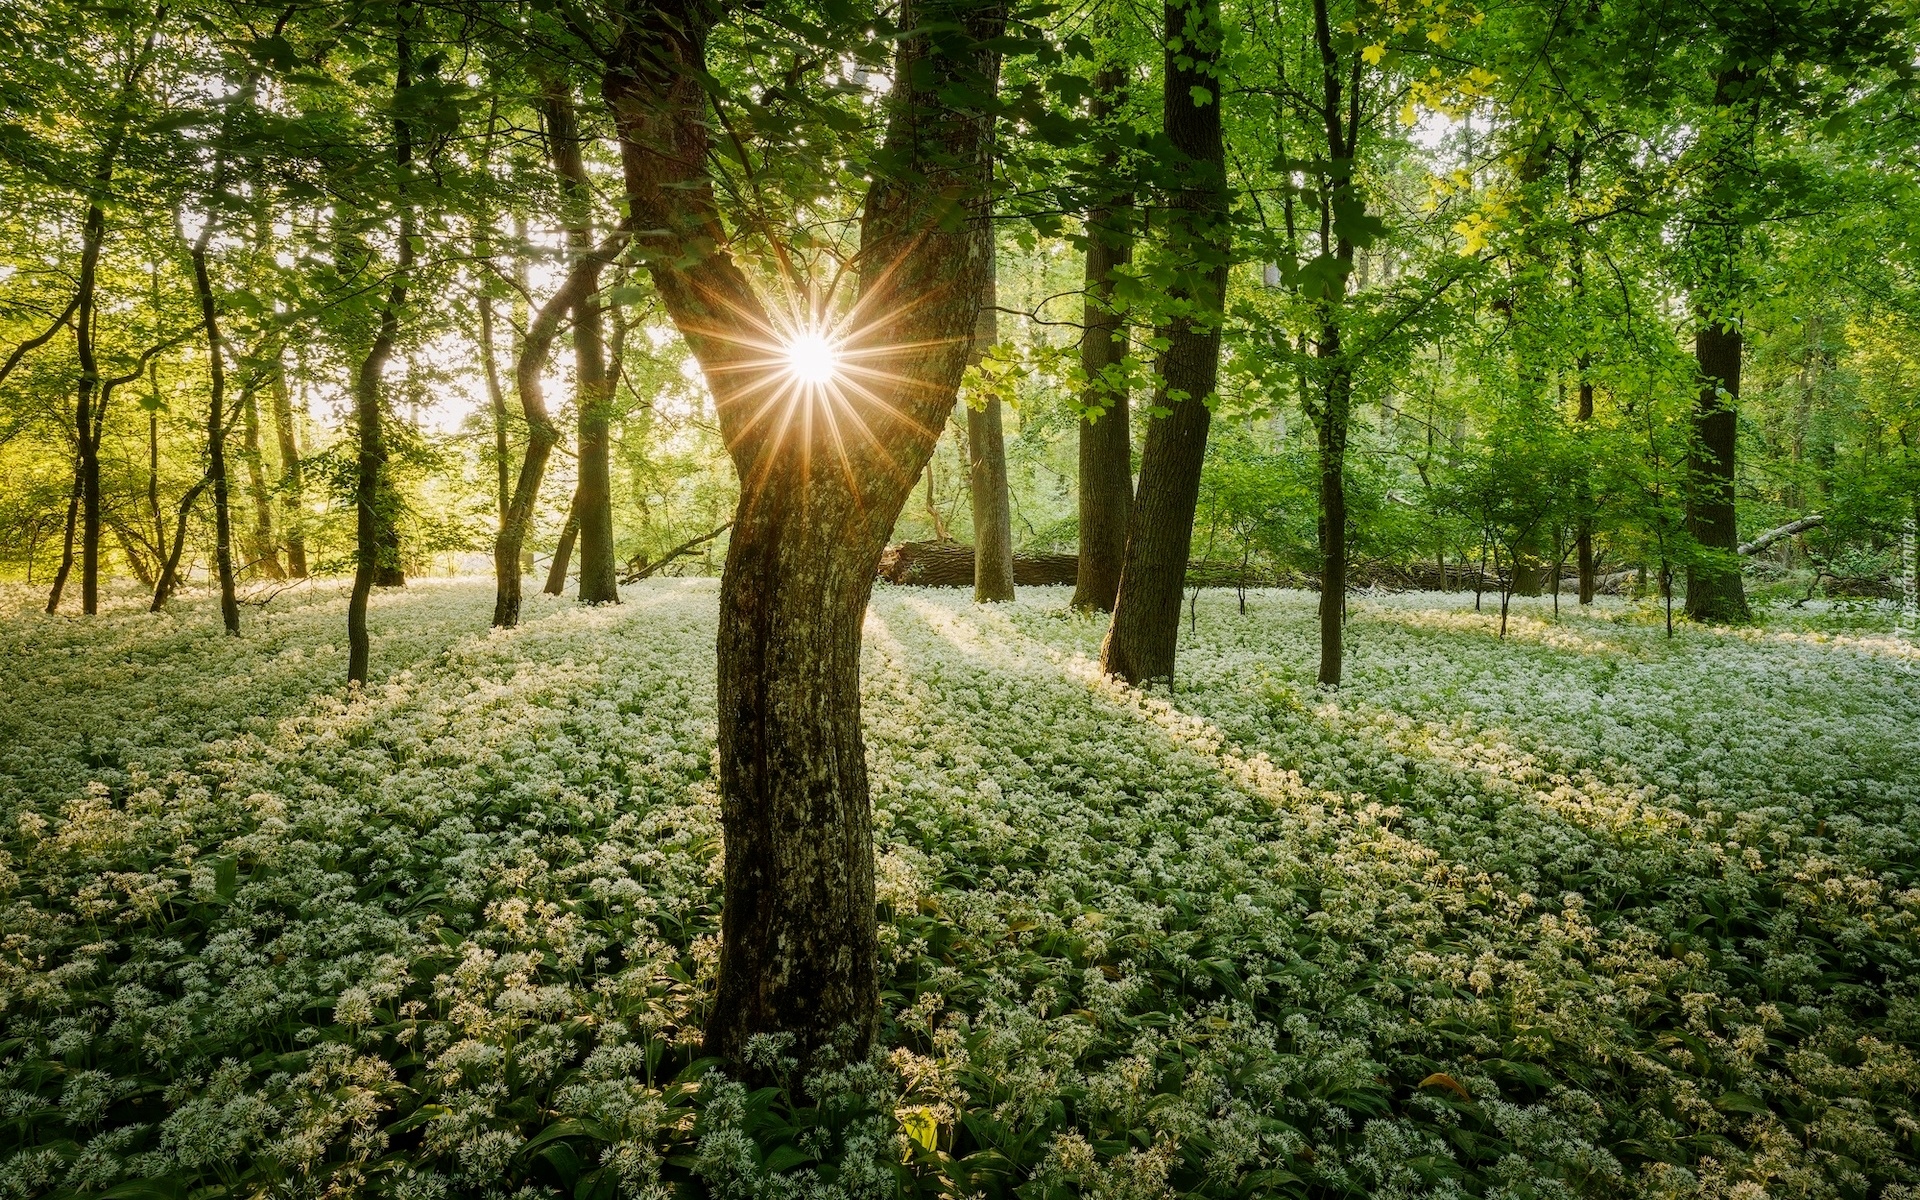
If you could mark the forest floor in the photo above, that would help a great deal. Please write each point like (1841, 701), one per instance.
(1583, 911)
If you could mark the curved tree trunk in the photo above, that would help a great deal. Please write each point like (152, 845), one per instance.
(1140, 642)
(170, 568)
(987, 465)
(798, 935)
(65, 568)
(1106, 442)
(292, 473)
(371, 491)
(535, 349)
(563, 550)
(217, 434)
(593, 394)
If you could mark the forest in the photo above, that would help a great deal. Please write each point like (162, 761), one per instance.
(959, 598)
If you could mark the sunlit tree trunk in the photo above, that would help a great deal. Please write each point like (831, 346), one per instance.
(1140, 642)
(987, 463)
(798, 935)
(583, 278)
(563, 549)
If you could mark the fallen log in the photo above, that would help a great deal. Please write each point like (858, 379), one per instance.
(1748, 549)
(950, 564)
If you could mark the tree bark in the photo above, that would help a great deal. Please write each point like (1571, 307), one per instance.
(1331, 441)
(86, 422)
(563, 550)
(370, 494)
(88, 461)
(216, 431)
(65, 568)
(987, 465)
(1748, 549)
(266, 553)
(489, 353)
(593, 391)
(1141, 640)
(1583, 414)
(1106, 442)
(582, 279)
(798, 936)
(292, 472)
(1340, 116)
(170, 569)
(1715, 591)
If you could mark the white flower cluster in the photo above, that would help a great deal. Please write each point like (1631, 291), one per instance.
(1584, 911)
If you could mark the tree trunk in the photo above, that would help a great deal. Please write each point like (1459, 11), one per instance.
(88, 461)
(1331, 441)
(583, 278)
(292, 472)
(216, 432)
(1331, 413)
(541, 433)
(1714, 588)
(1106, 443)
(1141, 640)
(798, 936)
(370, 493)
(489, 353)
(135, 557)
(86, 422)
(563, 551)
(987, 468)
(1583, 532)
(170, 569)
(593, 393)
(1715, 591)
(1583, 537)
(266, 553)
(66, 549)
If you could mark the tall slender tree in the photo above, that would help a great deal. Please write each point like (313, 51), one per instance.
(987, 460)
(1106, 440)
(373, 497)
(1141, 640)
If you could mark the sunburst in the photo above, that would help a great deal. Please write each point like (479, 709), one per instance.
(809, 371)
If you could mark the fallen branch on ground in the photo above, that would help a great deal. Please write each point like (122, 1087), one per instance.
(1747, 549)
(640, 568)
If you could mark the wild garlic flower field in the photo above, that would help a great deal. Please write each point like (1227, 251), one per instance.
(1581, 913)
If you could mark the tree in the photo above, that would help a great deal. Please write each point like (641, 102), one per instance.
(1106, 441)
(825, 466)
(987, 460)
(1141, 639)
(373, 496)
